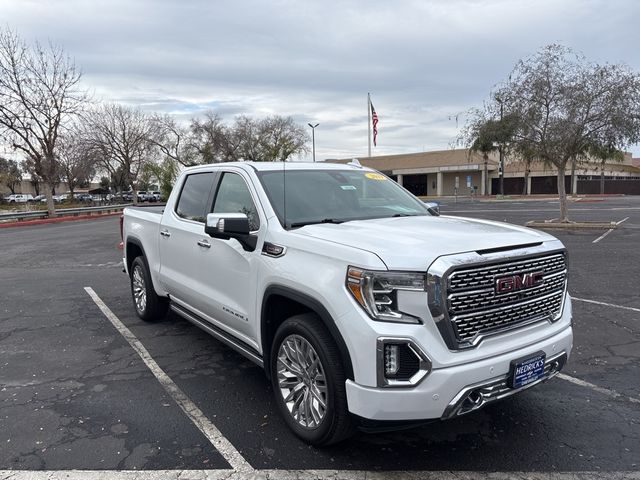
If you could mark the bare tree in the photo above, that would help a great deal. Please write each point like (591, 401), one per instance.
(173, 140)
(281, 138)
(210, 140)
(565, 104)
(120, 138)
(39, 95)
(28, 167)
(250, 139)
(10, 174)
(76, 161)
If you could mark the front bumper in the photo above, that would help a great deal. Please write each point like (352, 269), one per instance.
(450, 391)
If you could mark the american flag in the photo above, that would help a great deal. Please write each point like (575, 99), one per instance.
(374, 120)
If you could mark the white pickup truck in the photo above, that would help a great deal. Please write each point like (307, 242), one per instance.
(363, 305)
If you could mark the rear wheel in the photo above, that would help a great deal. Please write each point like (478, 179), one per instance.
(309, 382)
(149, 306)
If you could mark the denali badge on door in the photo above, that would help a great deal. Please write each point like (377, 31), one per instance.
(526, 370)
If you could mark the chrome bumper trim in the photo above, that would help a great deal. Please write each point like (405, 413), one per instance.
(476, 396)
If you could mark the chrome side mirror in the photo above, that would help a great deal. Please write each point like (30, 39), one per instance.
(433, 207)
(231, 225)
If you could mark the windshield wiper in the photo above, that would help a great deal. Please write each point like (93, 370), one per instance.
(315, 222)
(406, 215)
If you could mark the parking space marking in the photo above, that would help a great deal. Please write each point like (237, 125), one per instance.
(610, 230)
(304, 475)
(603, 235)
(596, 388)
(633, 309)
(208, 429)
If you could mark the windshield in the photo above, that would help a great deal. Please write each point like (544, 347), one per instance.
(336, 196)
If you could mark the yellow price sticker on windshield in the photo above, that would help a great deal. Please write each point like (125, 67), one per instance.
(375, 176)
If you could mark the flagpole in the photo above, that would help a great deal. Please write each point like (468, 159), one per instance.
(369, 121)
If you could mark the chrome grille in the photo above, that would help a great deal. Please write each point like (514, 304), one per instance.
(474, 308)
(479, 277)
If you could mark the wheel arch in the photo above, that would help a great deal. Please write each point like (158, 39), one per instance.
(279, 303)
(133, 248)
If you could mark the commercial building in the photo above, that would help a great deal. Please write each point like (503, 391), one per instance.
(464, 172)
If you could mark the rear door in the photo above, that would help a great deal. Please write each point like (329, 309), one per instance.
(183, 244)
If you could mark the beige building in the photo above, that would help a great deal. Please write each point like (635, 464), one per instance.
(462, 172)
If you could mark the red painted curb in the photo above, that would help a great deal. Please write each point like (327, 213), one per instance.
(43, 221)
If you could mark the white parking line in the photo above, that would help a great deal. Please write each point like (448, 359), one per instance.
(622, 221)
(633, 309)
(604, 391)
(602, 236)
(208, 429)
(304, 475)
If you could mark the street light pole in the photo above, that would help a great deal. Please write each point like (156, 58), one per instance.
(501, 155)
(313, 139)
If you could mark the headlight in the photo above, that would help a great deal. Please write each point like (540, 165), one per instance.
(376, 292)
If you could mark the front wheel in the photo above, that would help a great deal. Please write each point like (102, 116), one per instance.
(149, 306)
(309, 382)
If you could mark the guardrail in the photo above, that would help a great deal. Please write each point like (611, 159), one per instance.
(63, 212)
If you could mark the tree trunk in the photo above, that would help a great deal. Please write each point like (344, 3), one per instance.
(525, 189)
(486, 176)
(51, 208)
(602, 179)
(573, 176)
(562, 194)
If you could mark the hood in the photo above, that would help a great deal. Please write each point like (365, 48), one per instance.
(412, 243)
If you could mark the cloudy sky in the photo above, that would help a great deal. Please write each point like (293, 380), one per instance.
(424, 61)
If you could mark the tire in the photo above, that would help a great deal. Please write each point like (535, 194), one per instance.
(307, 336)
(149, 306)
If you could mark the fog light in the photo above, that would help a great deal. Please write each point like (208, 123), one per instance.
(400, 363)
(391, 360)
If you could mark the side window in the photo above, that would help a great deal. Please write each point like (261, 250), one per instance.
(192, 203)
(234, 197)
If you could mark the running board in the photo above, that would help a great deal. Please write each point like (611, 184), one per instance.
(226, 338)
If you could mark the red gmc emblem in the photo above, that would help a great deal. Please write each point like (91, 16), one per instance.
(514, 283)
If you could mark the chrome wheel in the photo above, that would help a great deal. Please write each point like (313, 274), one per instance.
(302, 381)
(139, 289)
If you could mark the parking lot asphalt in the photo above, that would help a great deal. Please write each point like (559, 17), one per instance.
(75, 395)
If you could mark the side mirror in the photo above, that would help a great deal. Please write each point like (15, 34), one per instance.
(231, 225)
(433, 207)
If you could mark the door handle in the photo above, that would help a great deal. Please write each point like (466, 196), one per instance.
(204, 243)
(165, 233)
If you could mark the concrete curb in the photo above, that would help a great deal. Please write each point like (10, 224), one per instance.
(70, 218)
(573, 225)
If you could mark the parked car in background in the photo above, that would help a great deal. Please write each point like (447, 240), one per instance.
(127, 196)
(19, 198)
(40, 198)
(143, 196)
(83, 197)
(157, 196)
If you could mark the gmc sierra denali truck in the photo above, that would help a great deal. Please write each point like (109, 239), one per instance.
(363, 305)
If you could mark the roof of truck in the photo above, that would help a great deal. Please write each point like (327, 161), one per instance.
(269, 166)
